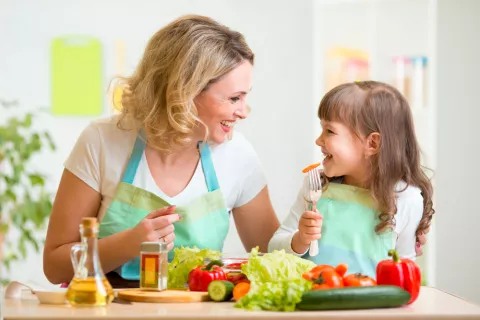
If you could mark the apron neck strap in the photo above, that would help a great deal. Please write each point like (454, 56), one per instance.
(207, 166)
(205, 159)
(135, 157)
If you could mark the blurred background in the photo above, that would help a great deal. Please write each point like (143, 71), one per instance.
(57, 58)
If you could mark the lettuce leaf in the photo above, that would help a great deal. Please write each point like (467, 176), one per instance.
(276, 282)
(185, 260)
(274, 296)
(275, 266)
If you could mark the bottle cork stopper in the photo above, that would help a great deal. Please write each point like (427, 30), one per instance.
(89, 222)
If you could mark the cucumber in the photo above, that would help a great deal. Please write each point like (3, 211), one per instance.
(381, 296)
(220, 290)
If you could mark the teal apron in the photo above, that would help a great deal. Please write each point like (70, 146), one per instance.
(348, 230)
(204, 221)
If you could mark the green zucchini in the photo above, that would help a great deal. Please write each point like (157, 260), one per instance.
(381, 296)
(220, 290)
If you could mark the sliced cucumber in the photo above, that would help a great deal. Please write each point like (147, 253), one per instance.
(220, 290)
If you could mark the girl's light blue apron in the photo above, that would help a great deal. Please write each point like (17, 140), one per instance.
(348, 230)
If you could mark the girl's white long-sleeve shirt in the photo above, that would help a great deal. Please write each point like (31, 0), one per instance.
(407, 219)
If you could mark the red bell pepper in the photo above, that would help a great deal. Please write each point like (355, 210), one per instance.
(200, 277)
(403, 273)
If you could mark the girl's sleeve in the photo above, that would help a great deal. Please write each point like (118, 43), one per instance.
(409, 214)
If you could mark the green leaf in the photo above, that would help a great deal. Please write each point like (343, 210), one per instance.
(14, 123)
(44, 209)
(3, 228)
(6, 263)
(29, 237)
(50, 140)
(11, 195)
(22, 247)
(18, 169)
(275, 266)
(27, 122)
(35, 144)
(9, 258)
(17, 215)
(280, 295)
(9, 180)
(36, 180)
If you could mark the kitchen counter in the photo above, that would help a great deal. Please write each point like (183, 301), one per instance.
(431, 304)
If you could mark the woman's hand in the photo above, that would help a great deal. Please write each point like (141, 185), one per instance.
(156, 226)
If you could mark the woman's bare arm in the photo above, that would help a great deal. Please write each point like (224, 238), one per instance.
(256, 221)
(75, 200)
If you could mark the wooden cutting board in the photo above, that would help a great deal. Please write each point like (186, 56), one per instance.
(138, 295)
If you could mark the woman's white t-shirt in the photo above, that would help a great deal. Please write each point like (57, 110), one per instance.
(102, 151)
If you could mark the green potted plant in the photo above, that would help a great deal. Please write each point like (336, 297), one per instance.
(25, 204)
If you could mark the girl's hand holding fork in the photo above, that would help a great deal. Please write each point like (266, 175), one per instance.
(309, 229)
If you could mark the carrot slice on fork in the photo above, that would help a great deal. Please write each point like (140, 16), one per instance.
(310, 167)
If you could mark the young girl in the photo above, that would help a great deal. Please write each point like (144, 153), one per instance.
(376, 196)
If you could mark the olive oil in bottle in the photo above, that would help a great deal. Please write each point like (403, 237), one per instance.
(89, 287)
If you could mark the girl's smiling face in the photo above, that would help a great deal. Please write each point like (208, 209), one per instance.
(344, 153)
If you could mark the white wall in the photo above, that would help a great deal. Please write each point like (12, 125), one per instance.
(279, 31)
(383, 28)
(458, 148)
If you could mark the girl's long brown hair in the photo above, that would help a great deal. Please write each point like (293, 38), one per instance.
(368, 107)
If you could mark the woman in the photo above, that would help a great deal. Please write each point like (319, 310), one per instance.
(168, 167)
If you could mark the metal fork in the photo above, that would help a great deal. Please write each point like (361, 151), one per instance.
(314, 194)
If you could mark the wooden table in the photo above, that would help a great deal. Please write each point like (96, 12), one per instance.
(432, 304)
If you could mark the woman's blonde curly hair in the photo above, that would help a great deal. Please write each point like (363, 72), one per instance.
(180, 61)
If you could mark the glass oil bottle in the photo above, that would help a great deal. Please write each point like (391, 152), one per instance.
(89, 287)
